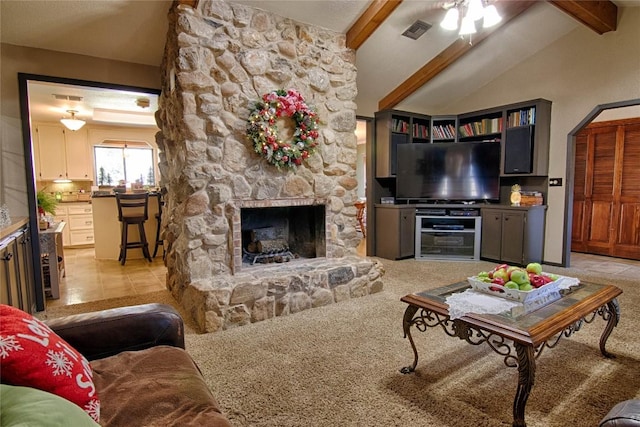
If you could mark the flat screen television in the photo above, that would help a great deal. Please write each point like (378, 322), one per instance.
(454, 172)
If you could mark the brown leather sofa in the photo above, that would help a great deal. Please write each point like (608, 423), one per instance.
(624, 414)
(143, 375)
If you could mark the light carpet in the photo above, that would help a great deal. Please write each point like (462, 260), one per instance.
(339, 365)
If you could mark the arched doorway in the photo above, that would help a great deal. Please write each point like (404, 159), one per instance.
(571, 159)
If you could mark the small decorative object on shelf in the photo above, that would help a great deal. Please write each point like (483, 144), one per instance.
(263, 131)
(515, 195)
(531, 198)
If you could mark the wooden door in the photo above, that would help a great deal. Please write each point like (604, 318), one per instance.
(606, 207)
(627, 204)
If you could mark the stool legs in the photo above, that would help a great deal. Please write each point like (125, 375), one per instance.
(143, 241)
(125, 244)
(159, 242)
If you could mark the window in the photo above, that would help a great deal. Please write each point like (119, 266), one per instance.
(116, 165)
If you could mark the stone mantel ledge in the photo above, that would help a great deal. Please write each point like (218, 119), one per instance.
(266, 291)
(278, 203)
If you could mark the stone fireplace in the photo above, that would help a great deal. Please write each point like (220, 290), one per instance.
(224, 200)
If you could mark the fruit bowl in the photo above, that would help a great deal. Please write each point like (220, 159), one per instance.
(549, 291)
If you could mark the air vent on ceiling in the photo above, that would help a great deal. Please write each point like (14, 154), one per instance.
(67, 97)
(416, 29)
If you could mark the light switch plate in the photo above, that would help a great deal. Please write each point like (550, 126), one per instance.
(555, 182)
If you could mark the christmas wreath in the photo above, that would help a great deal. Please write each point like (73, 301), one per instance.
(263, 131)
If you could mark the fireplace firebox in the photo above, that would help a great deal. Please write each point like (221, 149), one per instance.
(283, 233)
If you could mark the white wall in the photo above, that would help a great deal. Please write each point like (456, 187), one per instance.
(577, 73)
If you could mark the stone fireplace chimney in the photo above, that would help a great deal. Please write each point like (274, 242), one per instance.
(219, 60)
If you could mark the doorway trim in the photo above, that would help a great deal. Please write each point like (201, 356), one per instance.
(23, 92)
(571, 149)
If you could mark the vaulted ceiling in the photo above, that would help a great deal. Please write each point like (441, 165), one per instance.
(425, 75)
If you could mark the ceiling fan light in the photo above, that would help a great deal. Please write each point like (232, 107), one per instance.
(491, 16)
(475, 11)
(450, 21)
(72, 123)
(467, 27)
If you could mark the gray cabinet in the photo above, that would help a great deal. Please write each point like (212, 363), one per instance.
(16, 270)
(395, 231)
(513, 235)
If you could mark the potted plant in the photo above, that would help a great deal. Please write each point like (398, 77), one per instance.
(46, 203)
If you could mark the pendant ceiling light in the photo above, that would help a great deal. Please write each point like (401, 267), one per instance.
(72, 123)
(475, 11)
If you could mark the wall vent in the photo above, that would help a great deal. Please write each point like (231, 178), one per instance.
(67, 97)
(416, 29)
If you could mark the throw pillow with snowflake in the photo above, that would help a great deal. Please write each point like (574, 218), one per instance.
(32, 355)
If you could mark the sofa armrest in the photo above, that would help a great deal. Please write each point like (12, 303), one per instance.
(105, 333)
(624, 414)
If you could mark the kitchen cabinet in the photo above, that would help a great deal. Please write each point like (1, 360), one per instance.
(16, 269)
(395, 234)
(513, 235)
(79, 218)
(78, 156)
(62, 154)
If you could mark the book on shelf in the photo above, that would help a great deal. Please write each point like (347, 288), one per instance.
(444, 131)
(398, 125)
(481, 127)
(523, 117)
(420, 131)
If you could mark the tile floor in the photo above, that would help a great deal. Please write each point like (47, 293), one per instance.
(88, 279)
(625, 268)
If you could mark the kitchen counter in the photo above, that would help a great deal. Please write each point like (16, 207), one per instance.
(107, 229)
(103, 194)
(16, 224)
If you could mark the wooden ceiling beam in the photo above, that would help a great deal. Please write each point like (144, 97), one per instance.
(369, 21)
(600, 16)
(508, 11)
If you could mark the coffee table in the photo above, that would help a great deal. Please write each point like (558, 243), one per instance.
(519, 337)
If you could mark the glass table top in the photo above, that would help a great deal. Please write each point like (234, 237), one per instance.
(519, 317)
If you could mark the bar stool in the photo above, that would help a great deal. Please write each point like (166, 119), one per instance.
(133, 210)
(361, 217)
(159, 241)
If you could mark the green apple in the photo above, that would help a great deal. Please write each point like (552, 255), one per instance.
(520, 277)
(534, 267)
(526, 287)
(511, 285)
(512, 268)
